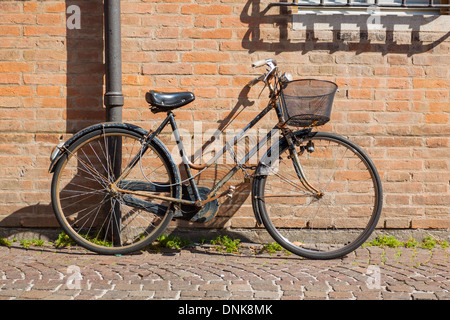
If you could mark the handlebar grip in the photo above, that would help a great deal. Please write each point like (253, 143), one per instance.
(261, 63)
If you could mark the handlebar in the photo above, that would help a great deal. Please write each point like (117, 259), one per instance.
(255, 81)
(261, 63)
(272, 66)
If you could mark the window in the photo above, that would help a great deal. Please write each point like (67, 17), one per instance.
(413, 6)
(386, 3)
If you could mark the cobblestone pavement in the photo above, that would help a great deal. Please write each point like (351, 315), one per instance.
(200, 272)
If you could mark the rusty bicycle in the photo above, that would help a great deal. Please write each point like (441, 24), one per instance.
(116, 186)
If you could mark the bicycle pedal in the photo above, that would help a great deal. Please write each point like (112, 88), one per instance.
(231, 191)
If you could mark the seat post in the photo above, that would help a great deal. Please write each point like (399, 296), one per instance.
(184, 158)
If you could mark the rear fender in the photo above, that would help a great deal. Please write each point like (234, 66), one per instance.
(61, 148)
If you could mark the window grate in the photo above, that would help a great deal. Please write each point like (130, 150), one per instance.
(359, 4)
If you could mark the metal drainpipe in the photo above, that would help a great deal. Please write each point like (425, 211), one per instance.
(113, 99)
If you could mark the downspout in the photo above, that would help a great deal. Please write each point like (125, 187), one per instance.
(113, 100)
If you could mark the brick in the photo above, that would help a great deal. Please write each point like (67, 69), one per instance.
(432, 199)
(10, 7)
(208, 34)
(205, 69)
(397, 223)
(436, 118)
(30, 6)
(10, 78)
(206, 9)
(43, 30)
(137, 8)
(360, 94)
(205, 57)
(48, 19)
(424, 296)
(431, 83)
(206, 22)
(430, 223)
(397, 59)
(16, 91)
(399, 83)
(166, 21)
(54, 7)
(10, 30)
(35, 294)
(175, 69)
(437, 142)
(15, 67)
(54, 79)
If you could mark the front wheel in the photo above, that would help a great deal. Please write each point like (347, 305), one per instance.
(99, 217)
(327, 223)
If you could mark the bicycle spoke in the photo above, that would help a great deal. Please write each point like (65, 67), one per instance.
(333, 222)
(80, 193)
(77, 202)
(96, 214)
(95, 217)
(287, 180)
(91, 170)
(76, 213)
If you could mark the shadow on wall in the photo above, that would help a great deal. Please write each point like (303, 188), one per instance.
(84, 99)
(85, 67)
(349, 32)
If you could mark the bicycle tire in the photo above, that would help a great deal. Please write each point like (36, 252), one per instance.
(340, 221)
(82, 202)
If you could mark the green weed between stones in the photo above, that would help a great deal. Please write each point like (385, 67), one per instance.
(170, 242)
(62, 241)
(33, 242)
(5, 243)
(273, 247)
(225, 243)
(428, 242)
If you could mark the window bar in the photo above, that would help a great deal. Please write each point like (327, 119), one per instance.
(350, 3)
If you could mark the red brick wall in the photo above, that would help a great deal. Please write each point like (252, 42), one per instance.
(393, 99)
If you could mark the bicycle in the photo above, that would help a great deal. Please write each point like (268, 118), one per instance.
(116, 187)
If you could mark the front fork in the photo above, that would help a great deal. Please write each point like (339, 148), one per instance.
(292, 140)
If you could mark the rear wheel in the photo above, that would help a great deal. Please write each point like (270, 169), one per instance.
(99, 217)
(329, 223)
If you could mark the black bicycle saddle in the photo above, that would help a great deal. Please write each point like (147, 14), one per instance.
(166, 101)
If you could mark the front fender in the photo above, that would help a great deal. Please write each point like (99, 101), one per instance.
(61, 148)
(264, 169)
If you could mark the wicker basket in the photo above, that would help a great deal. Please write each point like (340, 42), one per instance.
(307, 102)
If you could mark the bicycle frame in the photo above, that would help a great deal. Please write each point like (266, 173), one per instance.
(170, 119)
(198, 202)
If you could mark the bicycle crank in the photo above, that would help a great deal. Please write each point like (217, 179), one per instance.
(205, 211)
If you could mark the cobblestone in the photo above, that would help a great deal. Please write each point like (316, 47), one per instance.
(199, 273)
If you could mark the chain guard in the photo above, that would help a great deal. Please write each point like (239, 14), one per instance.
(194, 214)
